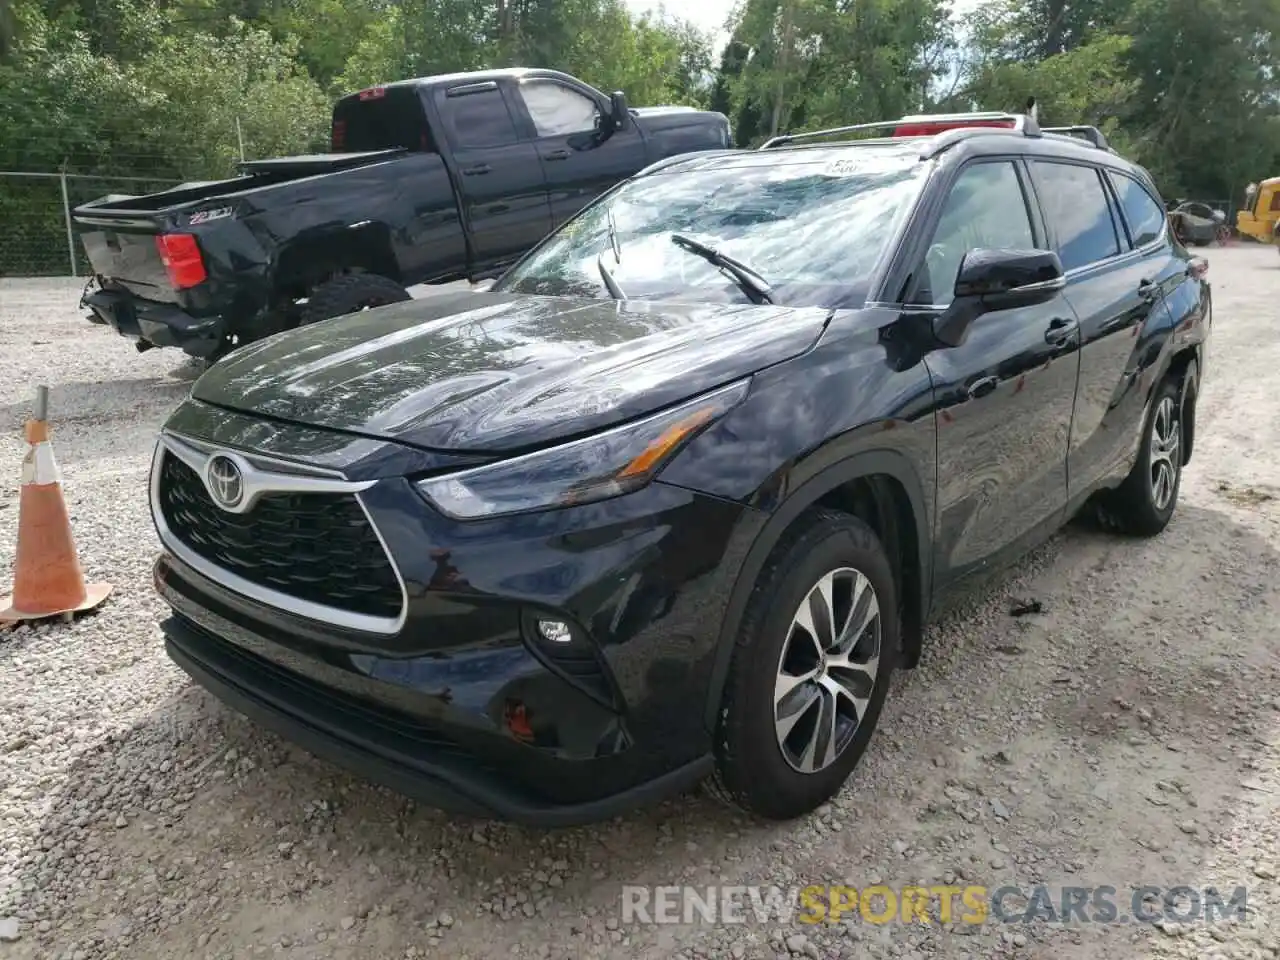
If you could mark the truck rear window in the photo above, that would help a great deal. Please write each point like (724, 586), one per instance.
(380, 119)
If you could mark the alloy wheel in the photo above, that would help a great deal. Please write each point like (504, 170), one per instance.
(1166, 441)
(827, 670)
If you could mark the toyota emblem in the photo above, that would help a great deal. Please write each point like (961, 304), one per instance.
(225, 482)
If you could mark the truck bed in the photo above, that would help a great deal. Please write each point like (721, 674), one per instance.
(255, 175)
(246, 226)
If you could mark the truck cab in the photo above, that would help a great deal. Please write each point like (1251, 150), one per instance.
(427, 180)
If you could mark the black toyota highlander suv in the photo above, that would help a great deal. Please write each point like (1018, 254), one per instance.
(674, 499)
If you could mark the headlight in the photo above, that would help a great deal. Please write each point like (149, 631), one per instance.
(606, 465)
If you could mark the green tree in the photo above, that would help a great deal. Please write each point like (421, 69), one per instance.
(1206, 110)
(1186, 87)
(1089, 85)
(190, 116)
(832, 62)
(8, 28)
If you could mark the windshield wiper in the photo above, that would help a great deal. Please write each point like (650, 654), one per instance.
(613, 236)
(753, 285)
(610, 284)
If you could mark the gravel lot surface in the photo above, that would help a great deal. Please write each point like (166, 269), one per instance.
(1127, 735)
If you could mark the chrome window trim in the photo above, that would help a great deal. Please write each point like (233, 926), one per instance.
(292, 478)
(1057, 284)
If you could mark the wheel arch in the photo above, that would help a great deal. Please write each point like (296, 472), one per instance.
(314, 257)
(881, 487)
(1186, 366)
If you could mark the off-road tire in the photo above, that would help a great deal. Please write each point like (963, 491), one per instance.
(349, 293)
(751, 772)
(1131, 508)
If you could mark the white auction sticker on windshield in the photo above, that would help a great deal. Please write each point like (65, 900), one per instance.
(863, 161)
(844, 168)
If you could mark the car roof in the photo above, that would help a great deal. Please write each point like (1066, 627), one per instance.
(889, 150)
(962, 142)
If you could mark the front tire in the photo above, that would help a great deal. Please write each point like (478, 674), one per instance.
(812, 666)
(1143, 505)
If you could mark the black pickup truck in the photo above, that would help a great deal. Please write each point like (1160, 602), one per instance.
(428, 180)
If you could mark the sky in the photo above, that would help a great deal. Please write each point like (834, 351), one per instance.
(710, 15)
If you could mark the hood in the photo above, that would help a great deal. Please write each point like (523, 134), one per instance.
(662, 111)
(494, 373)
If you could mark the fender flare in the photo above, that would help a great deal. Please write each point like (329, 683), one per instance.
(866, 463)
(364, 244)
(1190, 394)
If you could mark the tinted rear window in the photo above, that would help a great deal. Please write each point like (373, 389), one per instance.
(1077, 209)
(382, 121)
(1145, 217)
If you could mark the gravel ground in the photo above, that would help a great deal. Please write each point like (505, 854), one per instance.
(1129, 734)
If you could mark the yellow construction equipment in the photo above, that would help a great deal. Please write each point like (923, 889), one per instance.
(1260, 218)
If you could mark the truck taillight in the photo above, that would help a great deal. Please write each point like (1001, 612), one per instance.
(182, 260)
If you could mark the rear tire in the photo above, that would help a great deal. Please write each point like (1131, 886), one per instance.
(1144, 504)
(783, 756)
(348, 294)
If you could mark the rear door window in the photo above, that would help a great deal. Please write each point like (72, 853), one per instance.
(477, 117)
(1145, 217)
(1076, 207)
(380, 119)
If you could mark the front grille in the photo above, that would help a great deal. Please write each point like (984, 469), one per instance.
(317, 547)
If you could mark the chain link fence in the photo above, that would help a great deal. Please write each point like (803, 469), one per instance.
(38, 239)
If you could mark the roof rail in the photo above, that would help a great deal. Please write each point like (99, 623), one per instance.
(917, 125)
(1091, 134)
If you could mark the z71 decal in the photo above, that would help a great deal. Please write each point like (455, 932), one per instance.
(204, 216)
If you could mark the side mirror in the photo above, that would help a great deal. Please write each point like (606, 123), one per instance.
(998, 280)
(619, 112)
(484, 286)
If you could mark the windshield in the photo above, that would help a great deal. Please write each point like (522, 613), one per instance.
(812, 230)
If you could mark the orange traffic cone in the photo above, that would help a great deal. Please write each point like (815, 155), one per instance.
(47, 579)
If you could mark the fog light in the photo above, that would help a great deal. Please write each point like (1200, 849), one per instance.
(556, 631)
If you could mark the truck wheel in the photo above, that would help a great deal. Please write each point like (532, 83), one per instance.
(349, 294)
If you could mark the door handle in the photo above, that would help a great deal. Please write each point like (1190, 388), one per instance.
(981, 387)
(1059, 332)
(478, 170)
(556, 155)
(1147, 289)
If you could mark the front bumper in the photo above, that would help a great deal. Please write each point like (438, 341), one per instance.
(459, 702)
(414, 763)
(156, 324)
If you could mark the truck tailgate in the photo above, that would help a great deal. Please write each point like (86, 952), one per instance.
(126, 254)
